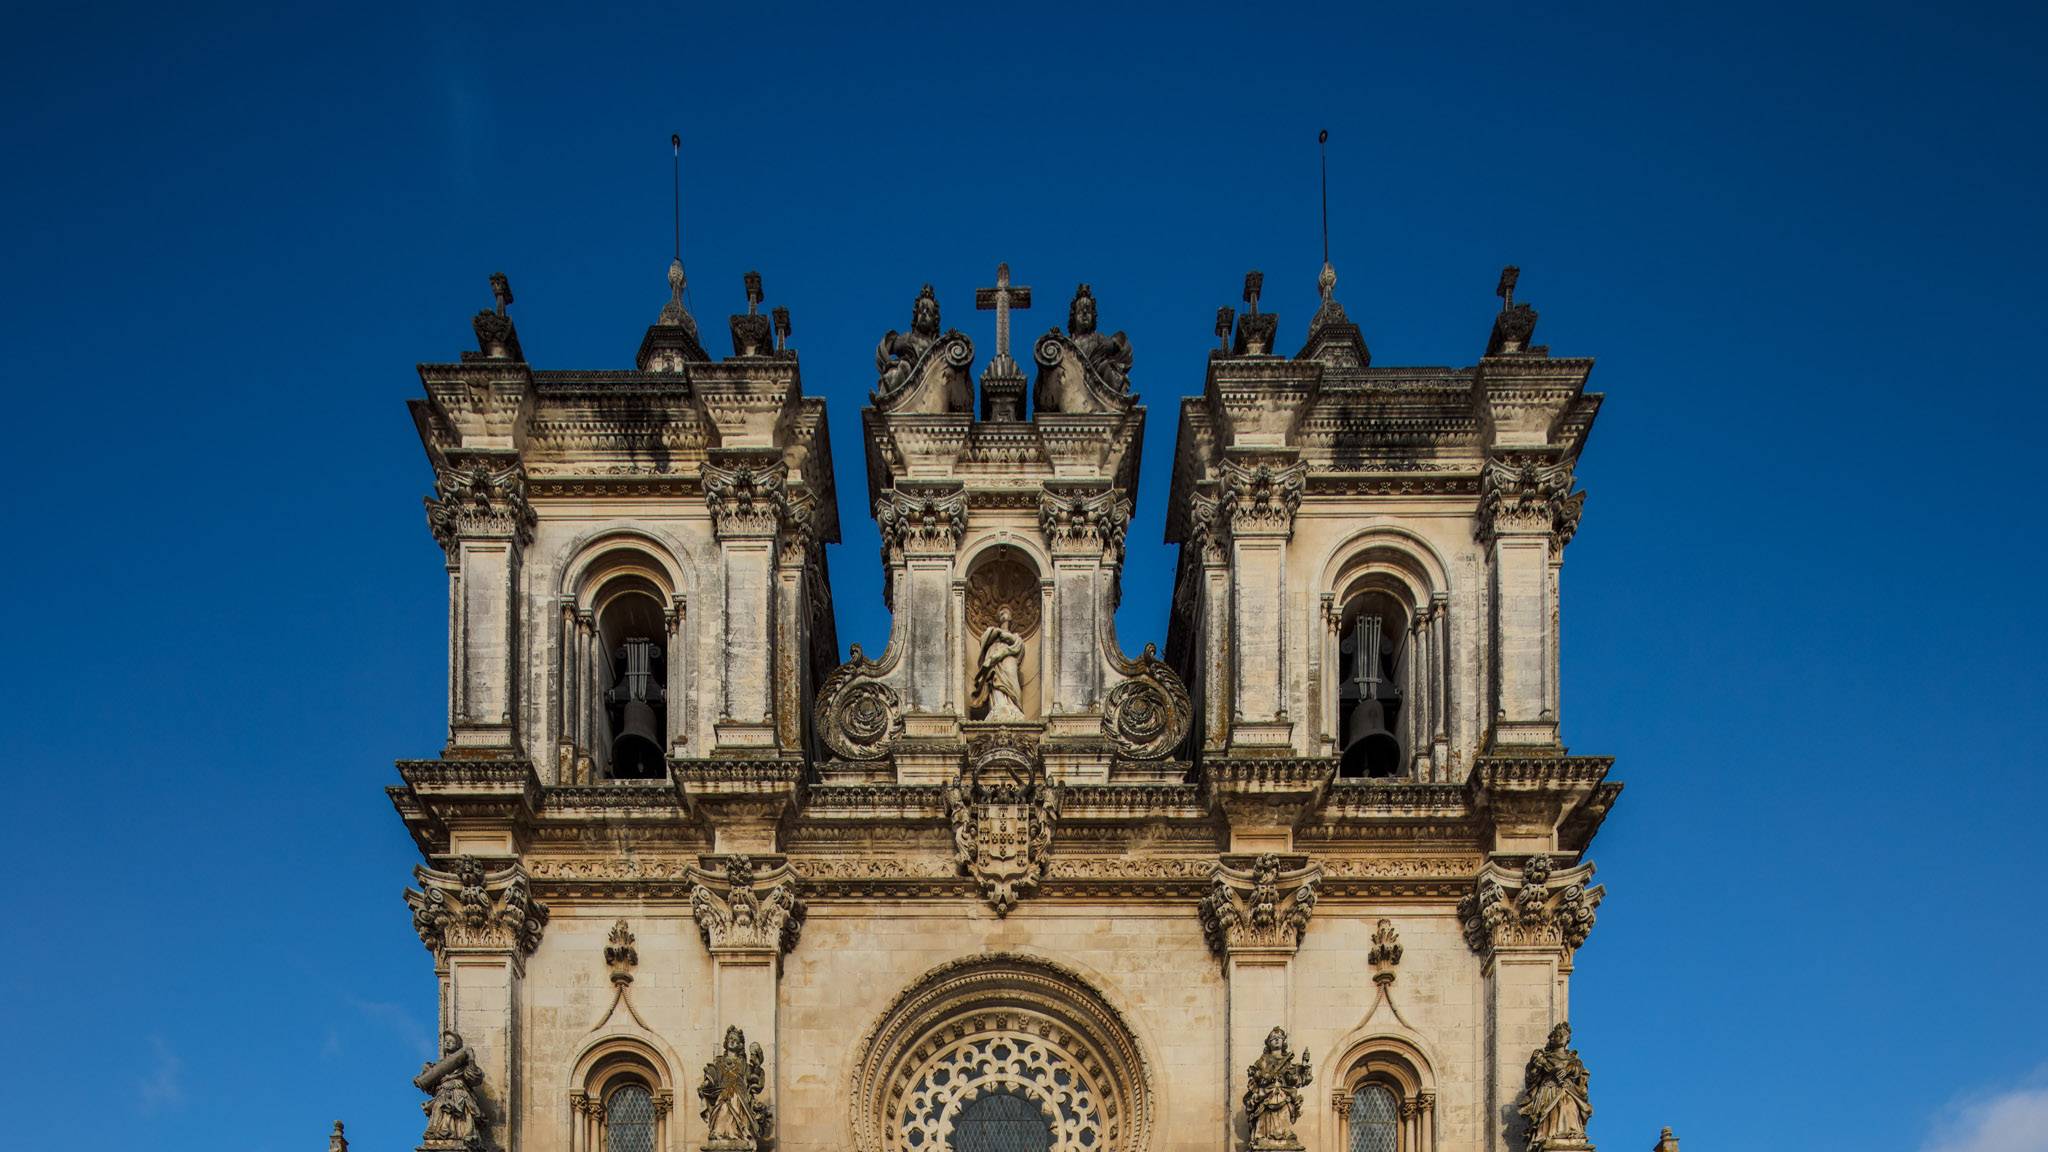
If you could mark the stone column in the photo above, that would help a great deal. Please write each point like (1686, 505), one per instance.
(1525, 507)
(675, 686)
(565, 694)
(1084, 532)
(1440, 682)
(1258, 499)
(748, 502)
(1209, 534)
(921, 532)
(483, 523)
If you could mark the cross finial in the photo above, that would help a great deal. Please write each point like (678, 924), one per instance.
(1506, 288)
(1003, 297)
(501, 290)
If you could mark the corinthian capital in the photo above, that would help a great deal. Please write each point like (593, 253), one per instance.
(920, 521)
(1085, 523)
(471, 908)
(1538, 909)
(480, 498)
(746, 909)
(747, 499)
(1520, 496)
(1265, 906)
(1260, 498)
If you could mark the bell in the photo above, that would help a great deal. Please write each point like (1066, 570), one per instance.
(1369, 749)
(636, 754)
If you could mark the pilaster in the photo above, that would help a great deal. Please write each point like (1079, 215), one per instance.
(1257, 499)
(1254, 916)
(748, 496)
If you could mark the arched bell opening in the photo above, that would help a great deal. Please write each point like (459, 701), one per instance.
(1372, 632)
(633, 635)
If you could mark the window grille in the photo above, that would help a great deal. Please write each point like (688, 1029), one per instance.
(629, 1120)
(1375, 1120)
(1001, 1122)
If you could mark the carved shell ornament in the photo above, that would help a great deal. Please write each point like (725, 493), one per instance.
(1003, 581)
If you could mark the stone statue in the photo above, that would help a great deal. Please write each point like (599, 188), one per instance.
(898, 352)
(1272, 1095)
(736, 1119)
(1108, 355)
(1554, 1095)
(998, 685)
(455, 1117)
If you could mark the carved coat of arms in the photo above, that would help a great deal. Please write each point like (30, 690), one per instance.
(1003, 809)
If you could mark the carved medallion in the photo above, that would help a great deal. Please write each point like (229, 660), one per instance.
(1003, 809)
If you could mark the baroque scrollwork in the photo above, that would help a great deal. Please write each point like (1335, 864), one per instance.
(859, 716)
(745, 910)
(479, 499)
(1537, 910)
(471, 907)
(1261, 497)
(1150, 712)
(1003, 809)
(1267, 905)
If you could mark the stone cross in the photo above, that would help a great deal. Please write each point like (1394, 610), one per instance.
(1002, 298)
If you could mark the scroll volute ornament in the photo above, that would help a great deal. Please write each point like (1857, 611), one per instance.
(472, 907)
(1266, 906)
(859, 715)
(1540, 909)
(1150, 712)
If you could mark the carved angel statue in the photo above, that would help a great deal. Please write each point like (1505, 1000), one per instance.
(736, 1118)
(998, 692)
(1272, 1095)
(1109, 355)
(455, 1118)
(898, 351)
(1555, 1097)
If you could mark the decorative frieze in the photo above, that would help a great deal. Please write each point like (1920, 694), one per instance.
(1264, 906)
(741, 910)
(1538, 910)
(747, 500)
(480, 499)
(473, 908)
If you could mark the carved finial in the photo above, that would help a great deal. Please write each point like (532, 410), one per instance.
(781, 317)
(501, 290)
(1666, 1142)
(1255, 329)
(1001, 298)
(1326, 281)
(1385, 955)
(1516, 323)
(1254, 283)
(620, 954)
(496, 338)
(674, 314)
(753, 281)
(1225, 317)
(336, 1142)
(1506, 288)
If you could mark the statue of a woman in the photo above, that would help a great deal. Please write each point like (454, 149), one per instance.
(1555, 1095)
(998, 686)
(454, 1118)
(1272, 1095)
(734, 1114)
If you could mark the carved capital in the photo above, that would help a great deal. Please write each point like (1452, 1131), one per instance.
(1262, 904)
(1531, 496)
(1539, 909)
(470, 908)
(481, 499)
(913, 521)
(742, 908)
(1208, 530)
(747, 500)
(1261, 498)
(1085, 523)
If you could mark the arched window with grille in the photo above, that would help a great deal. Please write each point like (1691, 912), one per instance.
(1375, 1119)
(629, 1119)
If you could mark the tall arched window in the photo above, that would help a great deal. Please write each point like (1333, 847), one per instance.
(1371, 642)
(1375, 1119)
(629, 1119)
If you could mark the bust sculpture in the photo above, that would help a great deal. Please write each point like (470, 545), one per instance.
(454, 1116)
(998, 692)
(736, 1119)
(1555, 1097)
(898, 352)
(1272, 1095)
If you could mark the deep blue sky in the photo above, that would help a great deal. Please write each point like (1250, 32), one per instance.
(1805, 244)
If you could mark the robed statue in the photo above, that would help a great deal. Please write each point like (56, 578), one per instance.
(1272, 1095)
(998, 692)
(1109, 355)
(1555, 1097)
(455, 1117)
(898, 352)
(736, 1118)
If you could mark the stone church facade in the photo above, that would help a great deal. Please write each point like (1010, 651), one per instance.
(1309, 873)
